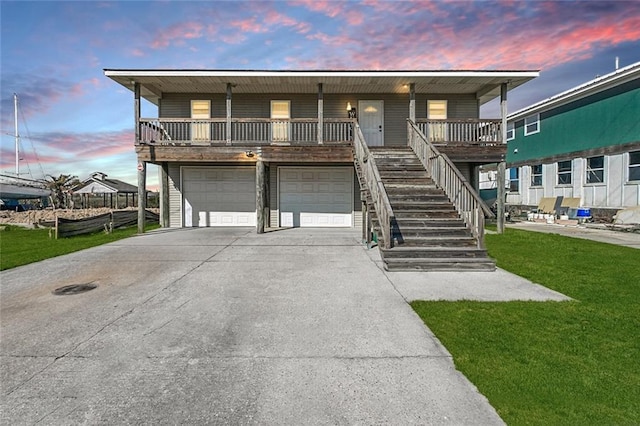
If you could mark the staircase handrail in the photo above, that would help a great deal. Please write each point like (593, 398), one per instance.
(446, 175)
(372, 180)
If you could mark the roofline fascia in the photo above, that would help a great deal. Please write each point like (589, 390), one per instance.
(578, 92)
(317, 74)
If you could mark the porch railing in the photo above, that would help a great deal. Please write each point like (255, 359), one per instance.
(376, 189)
(294, 131)
(464, 131)
(447, 176)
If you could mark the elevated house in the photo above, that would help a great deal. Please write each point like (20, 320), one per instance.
(583, 143)
(394, 153)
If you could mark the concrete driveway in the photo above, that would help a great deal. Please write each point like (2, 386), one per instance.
(223, 326)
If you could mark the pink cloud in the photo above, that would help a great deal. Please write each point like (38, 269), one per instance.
(274, 18)
(541, 41)
(177, 34)
(249, 25)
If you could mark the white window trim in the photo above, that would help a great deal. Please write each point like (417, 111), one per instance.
(627, 167)
(518, 179)
(541, 177)
(604, 171)
(511, 130)
(557, 166)
(537, 120)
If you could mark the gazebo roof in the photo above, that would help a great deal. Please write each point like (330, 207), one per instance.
(98, 183)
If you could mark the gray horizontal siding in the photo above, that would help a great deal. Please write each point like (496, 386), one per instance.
(175, 196)
(396, 107)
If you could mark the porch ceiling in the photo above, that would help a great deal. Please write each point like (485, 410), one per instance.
(484, 84)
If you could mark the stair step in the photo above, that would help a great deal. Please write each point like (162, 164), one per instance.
(403, 174)
(430, 232)
(400, 189)
(442, 204)
(430, 224)
(400, 167)
(433, 252)
(462, 241)
(442, 265)
(418, 198)
(431, 214)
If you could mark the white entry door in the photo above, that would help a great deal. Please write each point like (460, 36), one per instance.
(219, 196)
(371, 120)
(316, 196)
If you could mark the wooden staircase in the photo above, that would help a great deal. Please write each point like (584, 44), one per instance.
(428, 233)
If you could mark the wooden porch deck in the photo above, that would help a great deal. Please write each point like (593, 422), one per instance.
(299, 140)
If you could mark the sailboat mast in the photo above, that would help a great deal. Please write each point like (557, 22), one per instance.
(15, 110)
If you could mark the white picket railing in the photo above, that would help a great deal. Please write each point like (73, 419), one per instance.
(447, 176)
(468, 131)
(301, 131)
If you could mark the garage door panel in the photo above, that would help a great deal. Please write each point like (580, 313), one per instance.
(320, 197)
(219, 196)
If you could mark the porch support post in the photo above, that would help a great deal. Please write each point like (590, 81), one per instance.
(365, 219)
(228, 114)
(136, 110)
(164, 195)
(320, 114)
(412, 102)
(142, 194)
(501, 193)
(261, 196)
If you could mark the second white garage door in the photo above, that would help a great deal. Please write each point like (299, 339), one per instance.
(219, 196)
(316, 197)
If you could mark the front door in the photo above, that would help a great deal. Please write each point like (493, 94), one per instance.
(371, 119)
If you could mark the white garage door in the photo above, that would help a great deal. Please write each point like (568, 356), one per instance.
(316, 197)
(219, 196)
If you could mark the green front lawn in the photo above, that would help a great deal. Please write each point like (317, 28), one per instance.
(559, 363)
(20, 246)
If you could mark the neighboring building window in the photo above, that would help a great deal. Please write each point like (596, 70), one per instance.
(536, 175)
(514, 179)
(532, 124)
(511, 131)
(564, 172)
(634, 165)
(595, 169)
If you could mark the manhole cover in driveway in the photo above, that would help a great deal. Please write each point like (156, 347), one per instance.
(69, 290)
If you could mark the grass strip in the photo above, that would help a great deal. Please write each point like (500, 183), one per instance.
(21, 246)
(552, 363)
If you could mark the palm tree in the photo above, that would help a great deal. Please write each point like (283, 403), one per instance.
(60, 187)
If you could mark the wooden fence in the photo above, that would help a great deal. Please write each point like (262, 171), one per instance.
(104, 222)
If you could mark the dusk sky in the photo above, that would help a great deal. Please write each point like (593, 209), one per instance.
(77, 121)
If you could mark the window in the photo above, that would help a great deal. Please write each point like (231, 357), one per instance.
(280, 114)
(564, 172)
(595, 169)
(514, 179)
(437, 110)
(200, 131)
(536, 175)
(511, 131)
(532, 124)
(634, 165)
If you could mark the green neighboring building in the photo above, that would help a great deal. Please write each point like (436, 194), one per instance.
(582, 143)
